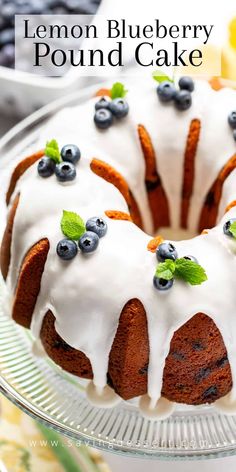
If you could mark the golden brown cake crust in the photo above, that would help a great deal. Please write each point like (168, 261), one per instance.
(211, 205)
(19, 171)
(28, 284)
(189, 169)
(197, 369)
(118, 215)
(154, 243)
(111, 175)
(129, 355)
(61, 353)
(5, 254)
(157, 198)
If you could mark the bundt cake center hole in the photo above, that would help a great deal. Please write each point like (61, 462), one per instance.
(176, 234)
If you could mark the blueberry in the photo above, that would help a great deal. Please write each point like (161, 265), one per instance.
(183, 100)
(210, 393)
(166, 251)
(70, 153)
(88, 242)
(7, 55)
(191, 258)
(226, 227)
(8, 12)
(65, 171)
(46, 167)
(67, 249)
(103, 118)
(119, 107)
(166, 91)
(232, 119)
(234, 134)
(186, 83)
(37, 7)
(102, 103)
(7, 36)
(162, 284)
(97, 225)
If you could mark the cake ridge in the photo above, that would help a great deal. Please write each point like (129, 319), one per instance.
(153, 182)
(189, 169)
(209, 211)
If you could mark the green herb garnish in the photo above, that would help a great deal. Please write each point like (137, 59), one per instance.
(52, 151)
(182, 268)
(159, 76)
(232, 229)
(118, 90)
(72, 225)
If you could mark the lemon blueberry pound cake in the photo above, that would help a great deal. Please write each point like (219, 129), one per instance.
(137, 315)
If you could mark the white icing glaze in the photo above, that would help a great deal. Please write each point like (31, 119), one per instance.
(38, 349)
(86, 308)
(226, 404)
(104, 397)
(156, 411)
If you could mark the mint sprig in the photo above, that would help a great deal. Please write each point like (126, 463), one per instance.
(190, 271)
(160, 76)
(72, 225)
(52, 151)
(182, 268)
(118, 90)
(232, 229)
(165, 270)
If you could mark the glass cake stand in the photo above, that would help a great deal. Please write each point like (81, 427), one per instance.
(44, 391)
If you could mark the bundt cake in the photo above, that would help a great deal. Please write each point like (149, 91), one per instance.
(137, 315)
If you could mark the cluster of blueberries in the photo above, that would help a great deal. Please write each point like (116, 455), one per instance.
(10, 8)
(232, 123)
(96, 228)
(226, 227)
(106, 111)
(181, 98)
(163, 252)
(65, 170)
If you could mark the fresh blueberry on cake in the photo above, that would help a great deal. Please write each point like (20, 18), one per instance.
(103, 118)
(70, 153)
(186, 83)
(119, 107)
(183, 100)
(102, 103)
(162, 284)
(88, 242)
(46, 167)
(166, 91)
(67, 249)
(97, 225)
(166, 251)
(65, 171)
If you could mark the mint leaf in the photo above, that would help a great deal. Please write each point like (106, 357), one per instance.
(159, 76)
(52, 151)
(118, 90)
(189, 271)
(232, 229)
(165, 270)
(72, 225)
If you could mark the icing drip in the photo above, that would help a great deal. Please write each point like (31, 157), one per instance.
(87, 314)
(226, 404)
(156, 411)
(103, 397)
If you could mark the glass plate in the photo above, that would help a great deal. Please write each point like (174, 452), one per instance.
(57, 399)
